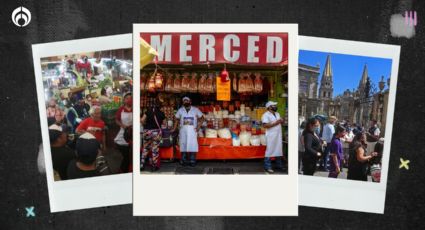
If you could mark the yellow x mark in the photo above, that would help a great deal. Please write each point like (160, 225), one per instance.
(404, 163)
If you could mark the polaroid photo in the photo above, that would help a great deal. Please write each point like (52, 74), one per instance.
(84, 90)
(346, 102)
(218, 108)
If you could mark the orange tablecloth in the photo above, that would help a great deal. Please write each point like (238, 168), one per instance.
(219, 152)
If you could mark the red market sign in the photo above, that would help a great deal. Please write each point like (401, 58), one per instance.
(234, 48)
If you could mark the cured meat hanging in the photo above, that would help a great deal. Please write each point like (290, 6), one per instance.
(169, 83)
(235, 82)
(209, 88)
(249, 84)
(202, 83)
(193, 85)
(185, 85)
(258, 83)
(177, 84)
(143, 81)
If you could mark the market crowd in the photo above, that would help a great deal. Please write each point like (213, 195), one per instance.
(330, 146)
(78, 137)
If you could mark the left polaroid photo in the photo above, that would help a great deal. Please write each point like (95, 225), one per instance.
(84, 90)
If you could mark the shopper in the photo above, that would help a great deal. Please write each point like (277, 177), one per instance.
(301, 148)
(81, 107)
(327, 134)
(313, 146)
(124, 119)
(87, 149)
(189, 118)
(94, 125)
(152, 135)
(61, 154)
(53, 111)
(336, 152)
(71, 117)
(358, 160)
(273, 123)
(103, 98)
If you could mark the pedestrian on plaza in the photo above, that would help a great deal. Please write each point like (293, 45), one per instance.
(189, 119)
(273, 123)
(301, 148)
(358, 159)
(313, 146)
(152, 136)
(327, 134)
(336, 152)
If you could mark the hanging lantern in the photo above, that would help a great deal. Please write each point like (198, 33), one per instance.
(151, 84)
(158, 81)
(224, 75)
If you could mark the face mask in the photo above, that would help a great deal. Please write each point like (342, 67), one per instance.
(274, 108)
(317, 130)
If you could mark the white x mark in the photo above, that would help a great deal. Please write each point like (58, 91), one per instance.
(404, 163)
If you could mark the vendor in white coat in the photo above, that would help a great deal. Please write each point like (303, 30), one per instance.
(189, 118)
(272, 122)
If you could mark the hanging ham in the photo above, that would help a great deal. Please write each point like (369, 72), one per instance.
(209, 88)
(143, 81)
(185, 85)
(193, 85)
(235, 82)
(258, 83)
(249, 84)
(202, 83)
(177, 84)
(169, 83)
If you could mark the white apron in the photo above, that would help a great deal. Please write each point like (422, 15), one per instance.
(127, 120)
(188, 138)
(273, 136)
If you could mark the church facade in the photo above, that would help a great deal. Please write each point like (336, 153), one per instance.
(358, 105)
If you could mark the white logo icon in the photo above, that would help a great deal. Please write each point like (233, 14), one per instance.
(21, 16)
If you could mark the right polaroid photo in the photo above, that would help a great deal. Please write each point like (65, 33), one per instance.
(345, 108)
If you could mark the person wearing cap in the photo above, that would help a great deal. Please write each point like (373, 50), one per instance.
(272, 122)
(124, 119)
(328, 133)
(61, 153)
(81, 107)
(94, 125)
(87, 149)
(189, 118)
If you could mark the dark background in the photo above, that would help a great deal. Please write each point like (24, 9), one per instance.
(21, 185)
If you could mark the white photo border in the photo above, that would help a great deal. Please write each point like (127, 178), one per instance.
(348, 194)
(218, 195)
(88, 192)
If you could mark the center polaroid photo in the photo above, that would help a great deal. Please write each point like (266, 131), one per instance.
(217, 132)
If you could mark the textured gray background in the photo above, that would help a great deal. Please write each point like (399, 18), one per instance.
(21, 185)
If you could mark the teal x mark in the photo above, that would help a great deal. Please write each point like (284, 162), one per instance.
(30, 211)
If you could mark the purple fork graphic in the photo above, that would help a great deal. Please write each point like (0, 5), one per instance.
(410, 18)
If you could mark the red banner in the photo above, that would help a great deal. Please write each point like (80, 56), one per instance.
(234, 48)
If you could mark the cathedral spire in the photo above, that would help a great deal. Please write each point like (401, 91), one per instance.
(363, 80)
(328, 69)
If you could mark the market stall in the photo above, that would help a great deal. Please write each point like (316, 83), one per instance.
(230, 94)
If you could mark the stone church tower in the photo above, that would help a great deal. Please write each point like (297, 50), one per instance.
(326, 86)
